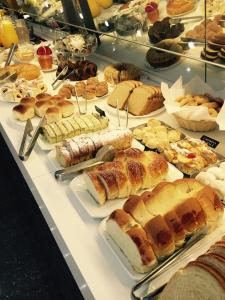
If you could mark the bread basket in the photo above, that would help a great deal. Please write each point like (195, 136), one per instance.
(196, 125)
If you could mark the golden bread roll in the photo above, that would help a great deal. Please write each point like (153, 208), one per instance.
(53, 114)
(67, 108)
(42, 106)
(26, 71)
(43, 96)
(28, 100)
(57, 98)
(23, 112)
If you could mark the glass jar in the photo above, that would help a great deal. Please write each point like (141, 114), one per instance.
(8, 32)
(22, 31)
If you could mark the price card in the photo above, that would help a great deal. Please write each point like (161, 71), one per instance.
(211, 142)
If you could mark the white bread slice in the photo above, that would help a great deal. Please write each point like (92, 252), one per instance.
(132, 240)
(195, 282)
(95, 187)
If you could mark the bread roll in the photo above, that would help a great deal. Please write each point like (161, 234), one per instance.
(43, 96)
(66, 107)
(57, 99)
(42, 106)
(53, 114)
(23, 112)
(28, 100)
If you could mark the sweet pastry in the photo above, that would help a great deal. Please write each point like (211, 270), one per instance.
(141, 99)
(198, 32)
(66, 108)
(83, 70)
(53, 114)
(215, 178)
(91, 88)
(23, 112)
(26, 71)
(162, 30)
(160, 59)
(74, 126)
(138, 170)
(65, 92)
(85, 147)
(118, 72)
(190, 155)
(174, 8)
(156, 135)
(165, 222)
(201, 279)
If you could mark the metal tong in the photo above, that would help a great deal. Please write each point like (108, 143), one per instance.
(25, 151)
(106, 153)
(184, 20)
(118, 113)
(163, 267)
(62, 73)
(10, 54)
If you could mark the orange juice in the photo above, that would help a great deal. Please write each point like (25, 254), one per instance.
(8, 32)
(105, 3)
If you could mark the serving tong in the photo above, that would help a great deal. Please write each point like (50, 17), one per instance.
(25, 150)
(104, 154)
(118, 113)
(185, 20)
(62, 73)
(7, 76)
(163, 267)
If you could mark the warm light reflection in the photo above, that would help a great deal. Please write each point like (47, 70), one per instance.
(106, 23)
(191, 45)
(81, 16)
(139, 33)
(188, 69)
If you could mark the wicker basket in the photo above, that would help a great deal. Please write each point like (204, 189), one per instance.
(196, 125)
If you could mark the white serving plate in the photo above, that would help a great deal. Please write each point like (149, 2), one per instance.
(77, 185)
(113, 112)
(196, 250)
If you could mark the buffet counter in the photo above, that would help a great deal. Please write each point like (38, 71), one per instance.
(97, 273)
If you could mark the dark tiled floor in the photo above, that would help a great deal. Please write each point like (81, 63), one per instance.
(25, 270)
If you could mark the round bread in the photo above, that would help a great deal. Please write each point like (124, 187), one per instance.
(43, 96)
(65, 92)
(28, 100)
(66, 107)
(26, 71)
(42, 106)
(158, 59)
(23, 112)
(53, 114)
(57, 99)
(118, 72)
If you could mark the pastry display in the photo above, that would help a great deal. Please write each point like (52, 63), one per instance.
(77, 44)
(82, 69)
(200, 279)
(213, 104)
(156, 135)
(150, 227)
(212, 28)
(141, 99)
(127, 25)
(215, 178)
(21, 88)
(215, 48)
(162, 30)
(54, 108)
(26, 71)
(190, 155)
(85, 146)
(175, 8)
(131, 171)
(118, 72)
(91, 88)
(160, 59)
(76, 125)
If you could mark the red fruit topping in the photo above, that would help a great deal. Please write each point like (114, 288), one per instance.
(191, 155)
(150, 7)
(44, 50)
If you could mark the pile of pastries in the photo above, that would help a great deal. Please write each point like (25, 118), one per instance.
(213, 104)
(150, 227)
(15, 91)
(215, 48)
(54, 108)
(190, 155)
(118, 72)
(214, 177)
(140, 98)
(26, 71)
(91, 88)
(131, 170)
(156, 135)
(67, 128)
